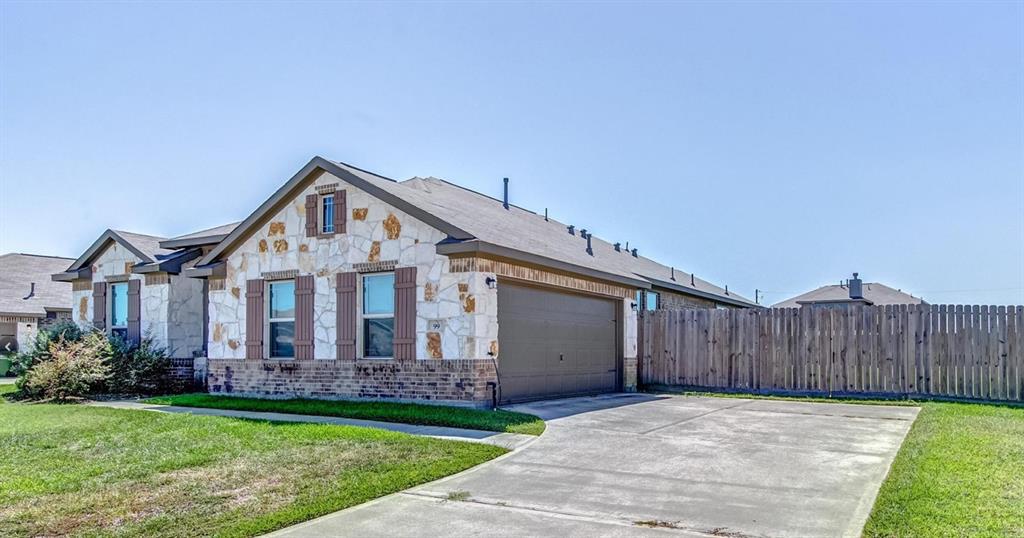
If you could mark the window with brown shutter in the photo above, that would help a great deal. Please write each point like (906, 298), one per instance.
(346, 313)
(312, 219)
(134, 312)
(254, 319)
(405, 313)
(304, 293)
(340, 210)
(99, 305)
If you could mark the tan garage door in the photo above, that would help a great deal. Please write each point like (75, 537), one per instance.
(555, 344)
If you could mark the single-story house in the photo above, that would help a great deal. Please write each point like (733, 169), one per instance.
(347, 284)
(28, 298)
(851, 292)
(131, 284)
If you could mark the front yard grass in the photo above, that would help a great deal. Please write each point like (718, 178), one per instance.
(88, 471)
(960, 472)
(431, 415)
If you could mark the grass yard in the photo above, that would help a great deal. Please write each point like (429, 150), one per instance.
(432, 415)
(960, 472)
(86, 471)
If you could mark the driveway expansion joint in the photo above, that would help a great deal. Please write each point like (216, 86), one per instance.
(695, 417)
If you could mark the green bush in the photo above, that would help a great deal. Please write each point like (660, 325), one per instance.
(39, 349)
(144, 369)
(73, 369)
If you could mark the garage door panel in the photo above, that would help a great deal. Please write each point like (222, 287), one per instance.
(555, 343)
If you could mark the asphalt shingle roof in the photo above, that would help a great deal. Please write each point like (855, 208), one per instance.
(879, 294)
(19, 271)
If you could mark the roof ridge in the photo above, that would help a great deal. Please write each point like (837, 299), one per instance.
(37, 255)
(136, 233)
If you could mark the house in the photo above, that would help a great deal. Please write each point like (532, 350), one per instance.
(347, 284)
(852, 292)
(131, 285)
(28, 298)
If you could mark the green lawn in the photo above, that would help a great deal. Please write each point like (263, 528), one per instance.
(86, 471)
(432, 415)
(960, 472)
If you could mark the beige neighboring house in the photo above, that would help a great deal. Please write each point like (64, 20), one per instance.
(851, 292)
(28, 298)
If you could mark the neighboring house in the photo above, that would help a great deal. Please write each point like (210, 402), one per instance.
(851, 292)
(28, 298)
(131, 285)
(348, 284)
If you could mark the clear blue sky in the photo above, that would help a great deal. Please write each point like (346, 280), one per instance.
(771, 146)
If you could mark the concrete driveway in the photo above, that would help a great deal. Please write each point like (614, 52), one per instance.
(643, 465)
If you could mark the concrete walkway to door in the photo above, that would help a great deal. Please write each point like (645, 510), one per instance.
(644, 465)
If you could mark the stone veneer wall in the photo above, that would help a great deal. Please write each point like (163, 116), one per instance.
(171, 305)
(451, 381)
(456, 313)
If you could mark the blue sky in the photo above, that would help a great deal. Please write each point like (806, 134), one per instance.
(769, 146)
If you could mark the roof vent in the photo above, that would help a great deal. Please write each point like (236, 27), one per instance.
(583, 233)
(31, 292)
(673, 277)
(572, 230)
(618, 247)
(633, 252)
(545, 214)
(856, 287)
(505, 203)
(727, 289)
(692, 282)
(589, 249)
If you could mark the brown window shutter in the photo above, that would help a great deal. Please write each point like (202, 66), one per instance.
(134, 312)
(254, 318)
(340, 212)
(405, 313)
(305, 288)
(99, 305)
(312, 220)
(346, 315)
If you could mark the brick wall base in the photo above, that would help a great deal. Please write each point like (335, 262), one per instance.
(458, 382)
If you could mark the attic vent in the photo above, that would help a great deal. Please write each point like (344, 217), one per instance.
(634, 253)
(618, 247)
(589, 249)
(572, 230)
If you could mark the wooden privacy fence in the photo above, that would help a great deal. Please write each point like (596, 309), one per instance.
(969, 352)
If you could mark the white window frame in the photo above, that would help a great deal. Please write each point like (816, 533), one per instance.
(267, 309)
(326, 225)
(110, 309)
(360, 338)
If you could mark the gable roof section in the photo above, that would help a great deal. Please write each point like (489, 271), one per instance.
(209, 236)
(145, 247)
(17, 274)
(478, 223)
(876, 293)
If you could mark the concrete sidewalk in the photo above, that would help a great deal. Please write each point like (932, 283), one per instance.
(510, 441)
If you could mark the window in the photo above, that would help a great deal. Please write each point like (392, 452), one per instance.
(327, 214)
(281, 319)
(652, 300)
(119, 309)
(378, 315)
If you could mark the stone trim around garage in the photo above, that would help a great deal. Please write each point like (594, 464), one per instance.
(451, 382)
(538, 275)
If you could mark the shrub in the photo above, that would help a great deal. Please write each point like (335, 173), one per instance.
(73, 369)
(144, 369)
(39, 349)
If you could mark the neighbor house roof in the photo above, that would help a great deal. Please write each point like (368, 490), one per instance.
(145, 247)
(874, 293)
(478, 223)
(18, 296)
(209, 236)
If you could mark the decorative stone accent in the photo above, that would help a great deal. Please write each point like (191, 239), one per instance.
(276, 228)
(83, 307)
(359, 213)
(429, 292)
(263, 245)
(233, 344)
(236, 291)
(128, 267)
(493, 348)
(374, 255)
(434, 345)
(280, 245)
(463, 287)
(218, 332)
(468, 304)
(392, 227)
(303, 248)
